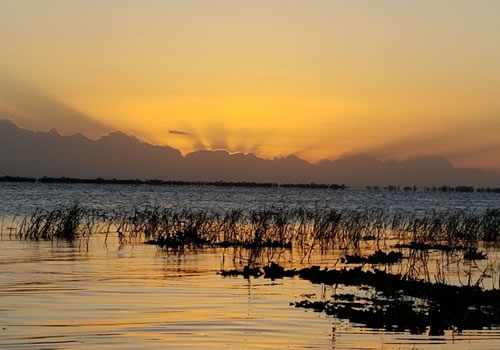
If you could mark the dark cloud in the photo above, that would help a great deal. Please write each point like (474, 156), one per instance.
(25, 153)
(190, 133)
(179, 132)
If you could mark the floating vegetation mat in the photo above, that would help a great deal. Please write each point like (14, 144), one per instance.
(396, 302)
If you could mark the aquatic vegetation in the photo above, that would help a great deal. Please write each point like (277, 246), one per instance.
(445, 307)
(66, 223)
(394, 315)
(473, 254)
(398, 303)
(308, 230)
(256, 239)
(246, 272)
(272, 271)
(379, 257)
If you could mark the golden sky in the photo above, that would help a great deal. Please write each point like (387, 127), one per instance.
(319, 79)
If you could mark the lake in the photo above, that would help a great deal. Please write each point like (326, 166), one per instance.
(107, 295)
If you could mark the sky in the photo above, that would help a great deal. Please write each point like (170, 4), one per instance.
(317, 79)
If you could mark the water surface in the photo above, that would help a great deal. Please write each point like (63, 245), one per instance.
(61, 295)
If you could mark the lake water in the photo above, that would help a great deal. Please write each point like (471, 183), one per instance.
(61, 295)
(19, 199)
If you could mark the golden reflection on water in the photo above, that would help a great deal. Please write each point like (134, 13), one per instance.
(60, 295)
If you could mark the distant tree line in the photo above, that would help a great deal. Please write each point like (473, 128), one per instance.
(463, 189)
(99, 180)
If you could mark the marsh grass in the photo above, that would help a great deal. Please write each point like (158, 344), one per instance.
(309, 230)
(259, 237)
(67, 223)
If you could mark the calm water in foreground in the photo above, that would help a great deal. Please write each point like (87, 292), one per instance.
(59, 295)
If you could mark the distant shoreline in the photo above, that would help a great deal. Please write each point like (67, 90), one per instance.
(157, 182)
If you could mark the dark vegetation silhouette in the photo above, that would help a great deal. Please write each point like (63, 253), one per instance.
(443, 307)
(307, 229)
(393, 302)
(156, 182)
(26, 153)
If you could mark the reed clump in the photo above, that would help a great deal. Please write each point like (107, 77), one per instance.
(67, 223)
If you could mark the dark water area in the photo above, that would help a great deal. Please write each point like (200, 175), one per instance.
(20, 198)
(102, 294)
